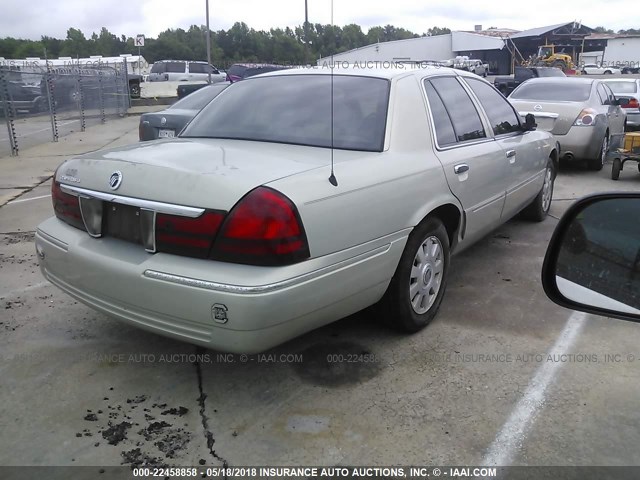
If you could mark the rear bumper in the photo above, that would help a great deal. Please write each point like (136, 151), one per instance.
(228, 307)
(581, 142)
(633, 119)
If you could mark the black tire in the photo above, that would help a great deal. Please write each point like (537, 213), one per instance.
(608, 72)
(134, 90)
(615, 170)
(559, 64)
(597, 163)
(538, 209)
(396, 306)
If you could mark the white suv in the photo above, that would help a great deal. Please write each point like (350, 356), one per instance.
(182, 71)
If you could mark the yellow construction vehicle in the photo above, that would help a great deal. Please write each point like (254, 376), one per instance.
(547, 57)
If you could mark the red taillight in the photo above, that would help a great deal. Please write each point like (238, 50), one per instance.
(264, 228)
(187, 236)
(633, 103)
(66, 206)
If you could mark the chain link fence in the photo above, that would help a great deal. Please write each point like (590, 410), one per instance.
(39, 105)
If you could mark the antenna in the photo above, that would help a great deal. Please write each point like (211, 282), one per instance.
(332, 178)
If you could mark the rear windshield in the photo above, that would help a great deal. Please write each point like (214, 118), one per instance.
(199, 98)
(296, 109)
(560, 91)
(623, 87)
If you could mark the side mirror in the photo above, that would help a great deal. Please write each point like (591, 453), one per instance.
(529, 122)
(593, 259)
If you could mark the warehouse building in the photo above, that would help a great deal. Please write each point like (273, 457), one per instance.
(501, 49)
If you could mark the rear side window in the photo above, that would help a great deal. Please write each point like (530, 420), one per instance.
(444, 128)
(611, 98)
(563, 90)
(464, 116)
(197, 68)
(501, 115)
(175, 67)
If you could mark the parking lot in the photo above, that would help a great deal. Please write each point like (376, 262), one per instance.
(502, 375)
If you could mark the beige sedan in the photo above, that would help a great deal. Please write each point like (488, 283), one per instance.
(294, 199)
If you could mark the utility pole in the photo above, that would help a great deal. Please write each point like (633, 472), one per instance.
(306, 31)
(208, 44)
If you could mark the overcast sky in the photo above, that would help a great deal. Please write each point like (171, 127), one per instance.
(33, 18)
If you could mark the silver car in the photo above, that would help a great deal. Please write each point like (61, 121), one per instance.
(294, 199)
(629, 89)
(586, 114)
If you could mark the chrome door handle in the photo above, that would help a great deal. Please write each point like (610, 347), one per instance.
(458, 169)
(511, 153)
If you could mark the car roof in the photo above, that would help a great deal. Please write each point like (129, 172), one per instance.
(394, 71)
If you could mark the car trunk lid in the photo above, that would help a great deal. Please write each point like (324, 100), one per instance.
(203, 173)
(567, 112)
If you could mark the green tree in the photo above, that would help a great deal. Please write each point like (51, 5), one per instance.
(433, 31)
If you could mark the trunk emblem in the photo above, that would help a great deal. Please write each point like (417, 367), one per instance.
(163, 121)
(115, 180)
(219, 313)
(537, 108)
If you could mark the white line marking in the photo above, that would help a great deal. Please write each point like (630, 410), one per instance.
(513, 432)
(25, 289)
(28, 199)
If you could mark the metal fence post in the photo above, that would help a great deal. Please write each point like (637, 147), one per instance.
(83, 123)
(52, 103)
(9, 113)
(118, 89)
(101, 97)
(125, 69)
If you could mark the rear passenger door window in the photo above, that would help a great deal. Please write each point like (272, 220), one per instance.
(197, 68)
(463, 115)
(175, 67)
(502, 116)
(444, 128)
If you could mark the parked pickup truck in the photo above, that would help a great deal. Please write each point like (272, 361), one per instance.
(507, 84)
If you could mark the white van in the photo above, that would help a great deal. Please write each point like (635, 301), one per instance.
(183, 71)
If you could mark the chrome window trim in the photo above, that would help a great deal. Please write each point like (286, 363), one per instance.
(159, 207)
(458, 144)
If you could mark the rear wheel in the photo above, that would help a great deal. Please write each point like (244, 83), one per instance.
(417, 288)
(538, 209)
(607, 72)
(615, 170)
(559, 64)
(598, 162)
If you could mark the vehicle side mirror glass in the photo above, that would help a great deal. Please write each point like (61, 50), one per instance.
(529, 122)
(593, 260)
